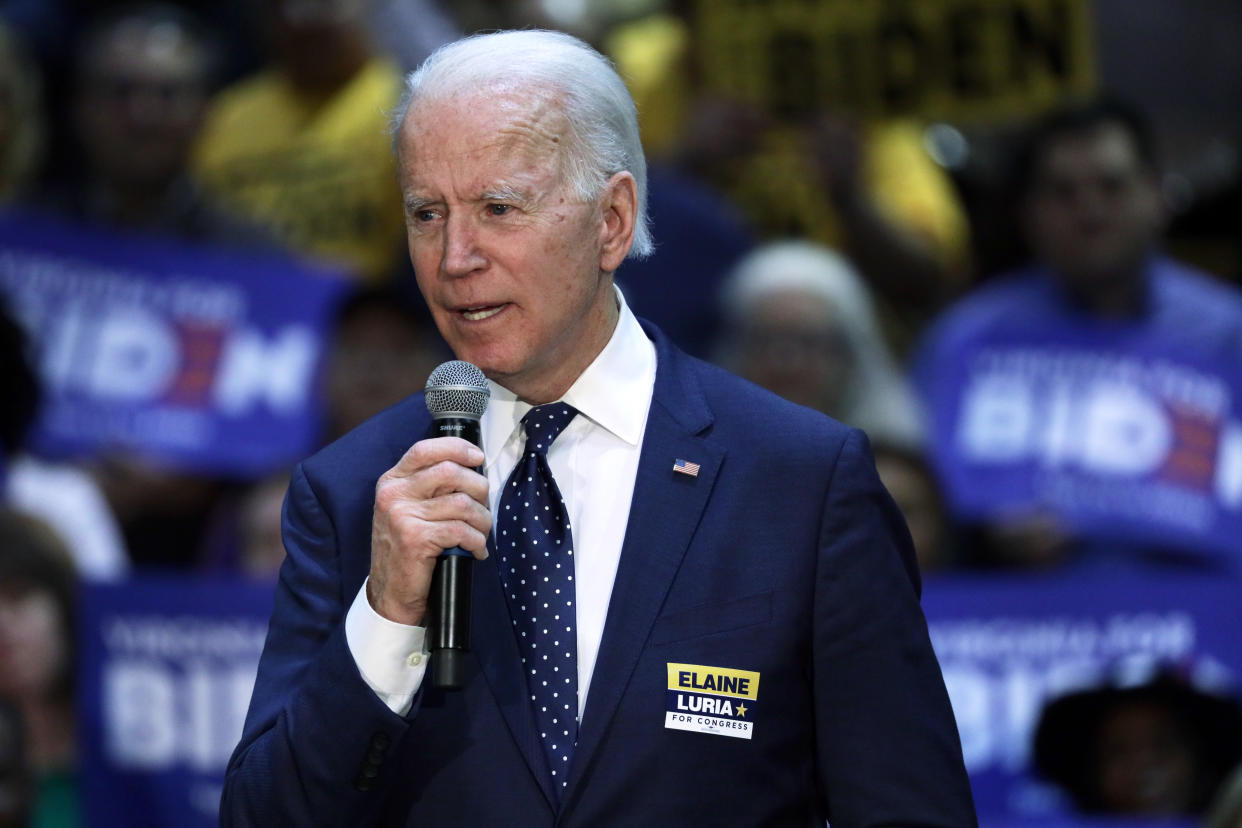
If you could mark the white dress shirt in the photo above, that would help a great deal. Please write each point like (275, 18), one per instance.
(594, 462)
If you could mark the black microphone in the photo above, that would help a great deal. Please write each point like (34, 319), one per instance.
(457, 396)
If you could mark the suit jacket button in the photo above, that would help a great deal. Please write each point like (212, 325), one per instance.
(379, 739)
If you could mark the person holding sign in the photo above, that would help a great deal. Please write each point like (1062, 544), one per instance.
(1082, 407)
(726, 597)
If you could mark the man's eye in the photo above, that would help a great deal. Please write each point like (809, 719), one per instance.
(425, 215)
(499, 209)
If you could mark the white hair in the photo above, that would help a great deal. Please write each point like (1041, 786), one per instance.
(877, 397)
(603, 122)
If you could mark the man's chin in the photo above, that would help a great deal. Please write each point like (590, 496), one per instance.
(1107, 270)
(496, 368)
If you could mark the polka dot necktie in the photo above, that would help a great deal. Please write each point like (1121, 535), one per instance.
(536, 552)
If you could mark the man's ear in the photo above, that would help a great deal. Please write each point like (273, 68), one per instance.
(619, 206)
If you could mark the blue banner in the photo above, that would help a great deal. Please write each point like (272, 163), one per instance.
(1121, 440)
(168, 665)
(1008, 644)
(203, 358)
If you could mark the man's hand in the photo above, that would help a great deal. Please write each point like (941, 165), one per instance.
(432, 500)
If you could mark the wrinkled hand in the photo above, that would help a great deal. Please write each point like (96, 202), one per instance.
(432, 500)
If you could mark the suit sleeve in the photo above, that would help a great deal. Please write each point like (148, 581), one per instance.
(316, 738)
(888, 751)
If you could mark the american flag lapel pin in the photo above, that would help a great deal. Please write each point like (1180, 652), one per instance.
(686, 467)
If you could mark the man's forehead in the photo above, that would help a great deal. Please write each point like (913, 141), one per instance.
(490, 111)
(493, 141)
(139, 45)
(1109, 144)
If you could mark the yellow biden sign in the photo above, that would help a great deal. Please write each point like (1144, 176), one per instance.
(963, 60)
(717, 700)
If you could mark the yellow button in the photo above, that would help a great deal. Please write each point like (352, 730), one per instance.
(415, 659)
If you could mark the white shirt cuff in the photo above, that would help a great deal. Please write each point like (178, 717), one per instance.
(391, 657)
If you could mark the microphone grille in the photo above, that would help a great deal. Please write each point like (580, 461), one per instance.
(457, 388)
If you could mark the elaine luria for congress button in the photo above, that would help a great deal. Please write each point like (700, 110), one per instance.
(718, 700)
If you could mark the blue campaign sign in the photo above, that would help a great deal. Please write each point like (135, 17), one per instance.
(167, 667)
(200, 357)
(1122, 439)
(168, 664)
(1008, 644)
(1075, 821)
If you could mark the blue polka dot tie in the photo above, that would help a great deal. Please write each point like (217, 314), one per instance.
(536, 552)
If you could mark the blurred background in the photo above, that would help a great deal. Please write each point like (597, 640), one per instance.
(1003, 237)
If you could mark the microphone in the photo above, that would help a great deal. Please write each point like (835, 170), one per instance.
(457, 396)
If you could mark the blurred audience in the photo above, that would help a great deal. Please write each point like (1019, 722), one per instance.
(699, 238)
(262, 550)
(302, 147)
(1208, 228)
(63, 495)
(298, 154)
(141, 87)
(801, 322)
(140, 93)
(382, 349)
(16, 784)
(1159, 747)
(1092, 214)
(37, 632)
(163, 512)
(795, 165)
(21, 118)
(21, 387)
(898, 214)
(904, 471)
(1226, 808)
(410, 30)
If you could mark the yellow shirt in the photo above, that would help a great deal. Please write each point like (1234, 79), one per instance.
(318, 172)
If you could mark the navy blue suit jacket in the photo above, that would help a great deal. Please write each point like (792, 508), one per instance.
(784, 556)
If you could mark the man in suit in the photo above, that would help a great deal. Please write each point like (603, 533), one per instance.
(727, 595)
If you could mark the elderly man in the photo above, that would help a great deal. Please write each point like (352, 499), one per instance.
(721, 625)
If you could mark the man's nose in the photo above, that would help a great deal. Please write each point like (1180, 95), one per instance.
(462, 252)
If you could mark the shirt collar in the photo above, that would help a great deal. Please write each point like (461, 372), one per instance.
(614, 391)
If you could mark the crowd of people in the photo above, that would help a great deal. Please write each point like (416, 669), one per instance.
(875, 296)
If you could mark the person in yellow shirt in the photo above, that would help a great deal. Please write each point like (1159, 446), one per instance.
(302, 147)
(870, 190)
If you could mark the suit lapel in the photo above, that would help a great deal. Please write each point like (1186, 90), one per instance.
(664, 514)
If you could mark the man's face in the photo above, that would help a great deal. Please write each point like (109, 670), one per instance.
(316, 41)
(516, 269)
(141, 104)
(1094, 209)
(1147, 762)
(792, 345)
(32, 641)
